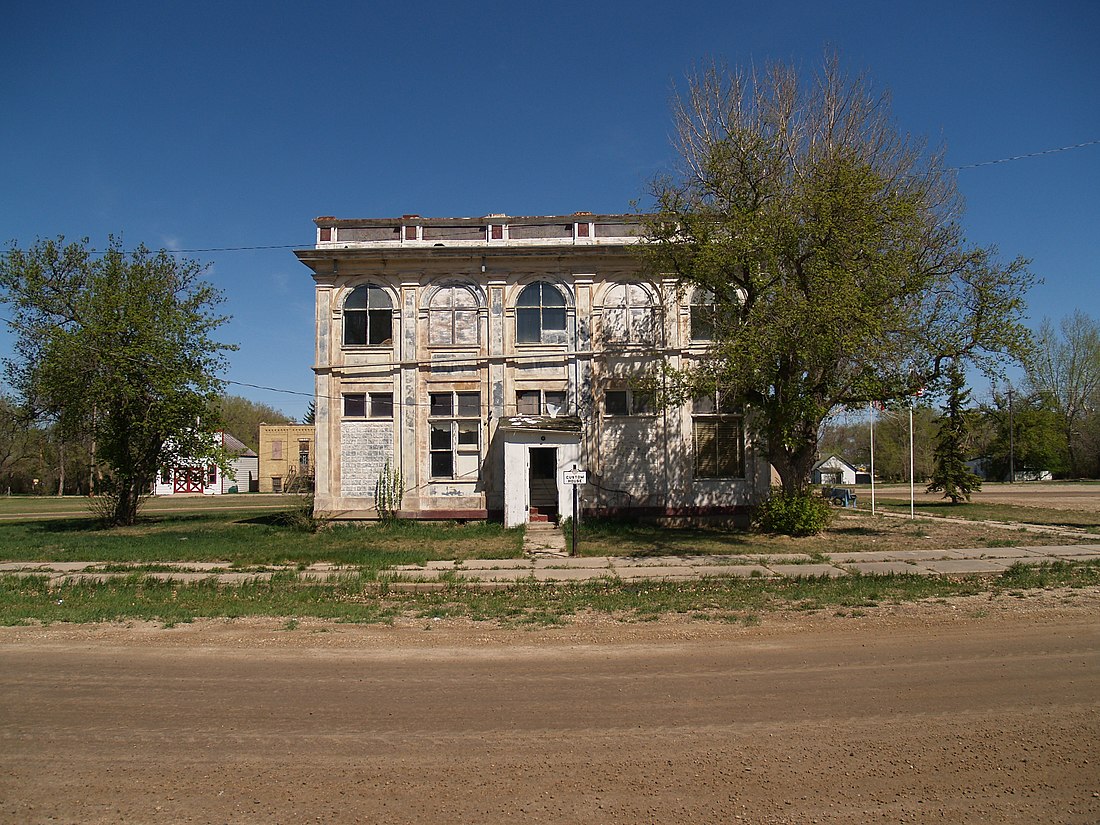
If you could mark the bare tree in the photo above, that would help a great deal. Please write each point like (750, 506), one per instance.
(1064, 370)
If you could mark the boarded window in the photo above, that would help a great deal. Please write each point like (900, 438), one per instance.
(452, 317)
(277, 450)
(629, 315)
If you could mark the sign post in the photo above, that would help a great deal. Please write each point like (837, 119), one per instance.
(576, 478)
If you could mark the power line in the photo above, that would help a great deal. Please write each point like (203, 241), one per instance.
(958, 168)
(1028, 155)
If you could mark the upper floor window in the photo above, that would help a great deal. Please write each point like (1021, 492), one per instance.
(629, 315)
(368, 405)
(702, 310)
(540, 309)
(541, 402)
(452, 317)
(368, 317)
(627, 402)
(708, 313)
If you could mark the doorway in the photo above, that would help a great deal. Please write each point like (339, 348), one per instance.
(543, 483)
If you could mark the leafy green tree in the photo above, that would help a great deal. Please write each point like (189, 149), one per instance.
(831, 247)
(1022, 433)
(1064, 370)
(118, 351)
(17, 446)
(892, 442)
(243, 417)
(952, 475)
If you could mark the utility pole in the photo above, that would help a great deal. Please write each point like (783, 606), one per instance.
(1011, 441)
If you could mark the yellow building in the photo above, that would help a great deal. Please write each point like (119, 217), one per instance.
(286, 458)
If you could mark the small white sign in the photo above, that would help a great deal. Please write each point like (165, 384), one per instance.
(575, 477)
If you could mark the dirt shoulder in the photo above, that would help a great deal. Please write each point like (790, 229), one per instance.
(970, 710)
(413, 634)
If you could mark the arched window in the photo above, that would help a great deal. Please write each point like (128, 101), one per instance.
(629, 315)
(452, 317)
(540, 309)
(368, 317)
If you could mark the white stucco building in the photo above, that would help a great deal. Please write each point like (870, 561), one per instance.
(485, 356)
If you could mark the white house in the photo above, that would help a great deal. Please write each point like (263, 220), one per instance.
(833, 470)
(484, 357)
(207, 478)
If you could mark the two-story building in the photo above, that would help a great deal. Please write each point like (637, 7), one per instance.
(286, 458)
(483, 357)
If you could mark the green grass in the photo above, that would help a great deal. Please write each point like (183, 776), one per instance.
(79, 506)
(995, 512)
(252, 538)
(361, 598)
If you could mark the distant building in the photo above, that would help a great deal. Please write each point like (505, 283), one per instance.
(983, 469)
(286, 458)
(201, 477)
(483, 357)
(833, 470)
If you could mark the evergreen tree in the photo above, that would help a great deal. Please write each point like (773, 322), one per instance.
(951, 475)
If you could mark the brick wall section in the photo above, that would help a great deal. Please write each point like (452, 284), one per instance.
(365, 446)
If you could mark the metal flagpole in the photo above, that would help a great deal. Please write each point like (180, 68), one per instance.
(912, 509)
(872, 406)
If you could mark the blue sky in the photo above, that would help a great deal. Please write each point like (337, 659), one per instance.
(208, 125)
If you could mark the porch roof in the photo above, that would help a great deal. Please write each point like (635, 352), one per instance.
(560, 423)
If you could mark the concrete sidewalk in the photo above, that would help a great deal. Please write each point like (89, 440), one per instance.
(548, 566)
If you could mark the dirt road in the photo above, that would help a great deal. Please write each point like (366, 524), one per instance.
(972, 711)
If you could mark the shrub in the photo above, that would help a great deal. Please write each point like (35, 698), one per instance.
(388, 492)
(792, 514)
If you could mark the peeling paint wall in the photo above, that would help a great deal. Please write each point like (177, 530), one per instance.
(454, 327)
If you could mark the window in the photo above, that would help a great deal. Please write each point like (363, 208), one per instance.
(303, 457)
(541, 402)
(367, 317)
(212, 474)
(629, 315)
(452, 317)
(276, 450)
(540, 309)
(454, 443)
(276, 484)
(368, 405)
(708, 313)
(702, 315)
(719, 438)
(627, 402)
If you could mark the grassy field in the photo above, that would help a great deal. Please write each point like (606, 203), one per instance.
(994, 511)
(28, 507)
(251, 538)
(358, 598)
(251, 532)
(851, 531)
